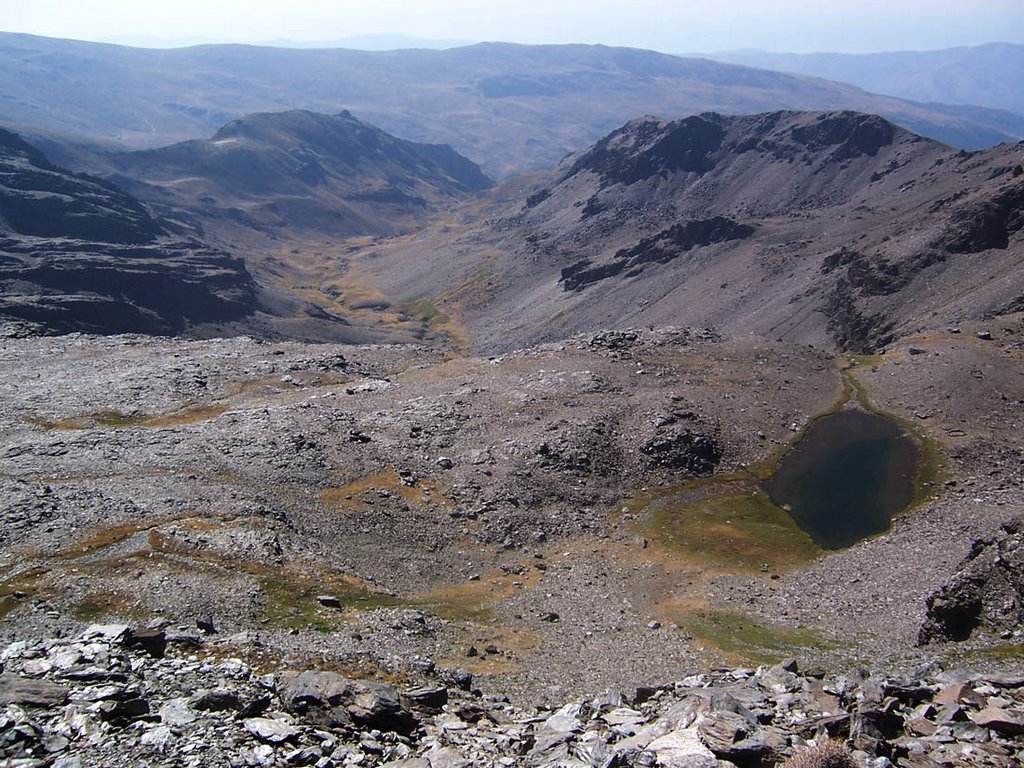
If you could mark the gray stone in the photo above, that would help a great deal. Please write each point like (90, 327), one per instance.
(158, 739)
(31, 693)
(119, 712)
(55, 742)
(271, 731)
(177, 712)
(111, 632)
(302, 757)
(217, 700)
(682, 748)
(430, 698)
(320, 695)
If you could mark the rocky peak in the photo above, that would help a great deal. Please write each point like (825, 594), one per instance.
(649, 147)
(344, 139)
(305, 171)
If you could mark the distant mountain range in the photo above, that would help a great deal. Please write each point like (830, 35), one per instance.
(985, 75)
(509, 108)
(381, 42)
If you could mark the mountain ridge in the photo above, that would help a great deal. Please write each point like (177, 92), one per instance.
(510, 108)
(865, 232)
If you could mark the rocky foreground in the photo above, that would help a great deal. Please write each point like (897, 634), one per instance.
(379, 554)
(156, 696)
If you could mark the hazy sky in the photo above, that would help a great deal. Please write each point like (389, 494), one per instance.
(686, 26)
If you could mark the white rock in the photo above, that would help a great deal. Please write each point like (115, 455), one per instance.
(177, 712)
(271, 731)
(158, 738)
(105, 631)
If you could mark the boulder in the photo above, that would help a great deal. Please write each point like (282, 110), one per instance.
(31, 693)
(271, 731)
(1004, 721)
(328, 698)
(987, 591)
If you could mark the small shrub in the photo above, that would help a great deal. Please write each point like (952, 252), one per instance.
(827, 754)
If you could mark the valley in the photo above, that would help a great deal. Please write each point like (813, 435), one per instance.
(399, 464)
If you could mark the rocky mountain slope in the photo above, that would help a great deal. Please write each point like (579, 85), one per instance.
(77, 254)
(301, 172)
(837, 229)
(507, 107)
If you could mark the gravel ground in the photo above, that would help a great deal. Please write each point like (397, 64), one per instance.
(469, 510)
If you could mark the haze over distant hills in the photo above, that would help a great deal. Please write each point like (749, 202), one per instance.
(986, 75)
(508, 107)
(381, 42)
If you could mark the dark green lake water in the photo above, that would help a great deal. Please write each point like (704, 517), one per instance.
(846, 478)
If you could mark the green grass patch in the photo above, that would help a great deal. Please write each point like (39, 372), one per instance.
(727, 529)
(438, 323)
(15, 590)
(867, 361)
(427, 311)
(742, 638)
(292, 603)
(460, 610)
(106, 419)
(112, 419)
(999, 652)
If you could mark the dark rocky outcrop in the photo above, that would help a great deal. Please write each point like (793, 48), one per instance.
(658, 249)
(987, 224)
(985, 595)
(38, 199)
(331, 699)
(851, 327)
(646, 148)
(77, 254)
(846, 134)
(679, 442)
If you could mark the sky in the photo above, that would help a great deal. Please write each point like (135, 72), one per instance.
(686, 26)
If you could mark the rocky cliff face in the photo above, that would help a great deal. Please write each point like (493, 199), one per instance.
(77, 254)
(38, 199)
